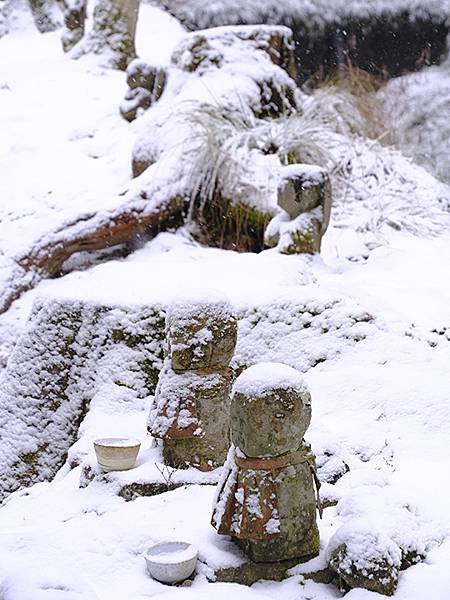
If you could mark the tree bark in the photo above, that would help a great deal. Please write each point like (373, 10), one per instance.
(90, 232)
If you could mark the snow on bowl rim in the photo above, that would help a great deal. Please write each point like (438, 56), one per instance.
(171, 553)
(117, 442)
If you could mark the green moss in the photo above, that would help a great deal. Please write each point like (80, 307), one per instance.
(232, 226)
(302, 242)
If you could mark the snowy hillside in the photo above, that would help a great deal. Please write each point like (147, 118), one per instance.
(366, 321)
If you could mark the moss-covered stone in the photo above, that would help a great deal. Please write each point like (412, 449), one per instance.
(306, 241)
(201, 336)
(381, 576)
(52, 376)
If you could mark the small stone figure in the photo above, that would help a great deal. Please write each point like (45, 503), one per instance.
(304, 194)
(192, 403)
(266, 500)
(145, 85)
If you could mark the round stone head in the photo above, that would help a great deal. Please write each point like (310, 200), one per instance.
(270, 410)
(201, 334)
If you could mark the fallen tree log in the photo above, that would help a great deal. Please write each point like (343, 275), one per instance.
(90, 232)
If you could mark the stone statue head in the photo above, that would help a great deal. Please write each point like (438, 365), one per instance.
(270, 410)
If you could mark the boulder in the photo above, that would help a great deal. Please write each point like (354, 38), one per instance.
(364, 556)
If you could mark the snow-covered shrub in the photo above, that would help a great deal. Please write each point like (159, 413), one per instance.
(419, 109)
(376, 188)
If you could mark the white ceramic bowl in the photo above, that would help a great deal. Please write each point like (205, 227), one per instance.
(171, 562)
(116, 454)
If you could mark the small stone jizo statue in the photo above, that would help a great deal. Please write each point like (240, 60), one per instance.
(266, 500)
(191, 412)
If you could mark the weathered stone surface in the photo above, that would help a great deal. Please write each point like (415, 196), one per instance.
(304, 234)
(304, 194)
(298, 534)
(364, 556)
(201, 336)
(45, 14)
(191, 408)
(267, 500)
(146, 84)
(251, 572)
(304, 187)
(112, 33)
(269, 420)
(143, 481)
(270, 46)
(135, 99)
(192, 416)
(382, 578)
(199, 49)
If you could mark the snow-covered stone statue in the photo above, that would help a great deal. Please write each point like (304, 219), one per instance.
(266, 500)
(145, 85)
(304, 194)
(192, 401)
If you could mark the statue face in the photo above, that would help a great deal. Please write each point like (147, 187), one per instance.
(270, 424)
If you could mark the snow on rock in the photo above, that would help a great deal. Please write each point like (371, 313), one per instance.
(365, 557)
(382, 534)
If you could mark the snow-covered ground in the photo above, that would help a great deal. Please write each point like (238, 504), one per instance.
(381, 405)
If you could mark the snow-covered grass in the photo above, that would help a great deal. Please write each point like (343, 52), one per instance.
(419, 107)
(380, 405)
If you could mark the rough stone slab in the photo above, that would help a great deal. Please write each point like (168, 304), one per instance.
(250, 572)
(150, 477)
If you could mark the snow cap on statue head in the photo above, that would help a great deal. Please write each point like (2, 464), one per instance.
(270, 410)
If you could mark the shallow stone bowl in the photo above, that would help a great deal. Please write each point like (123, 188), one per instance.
(116, 454)
(171, 562)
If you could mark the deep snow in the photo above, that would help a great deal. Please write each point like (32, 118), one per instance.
(381, 406)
